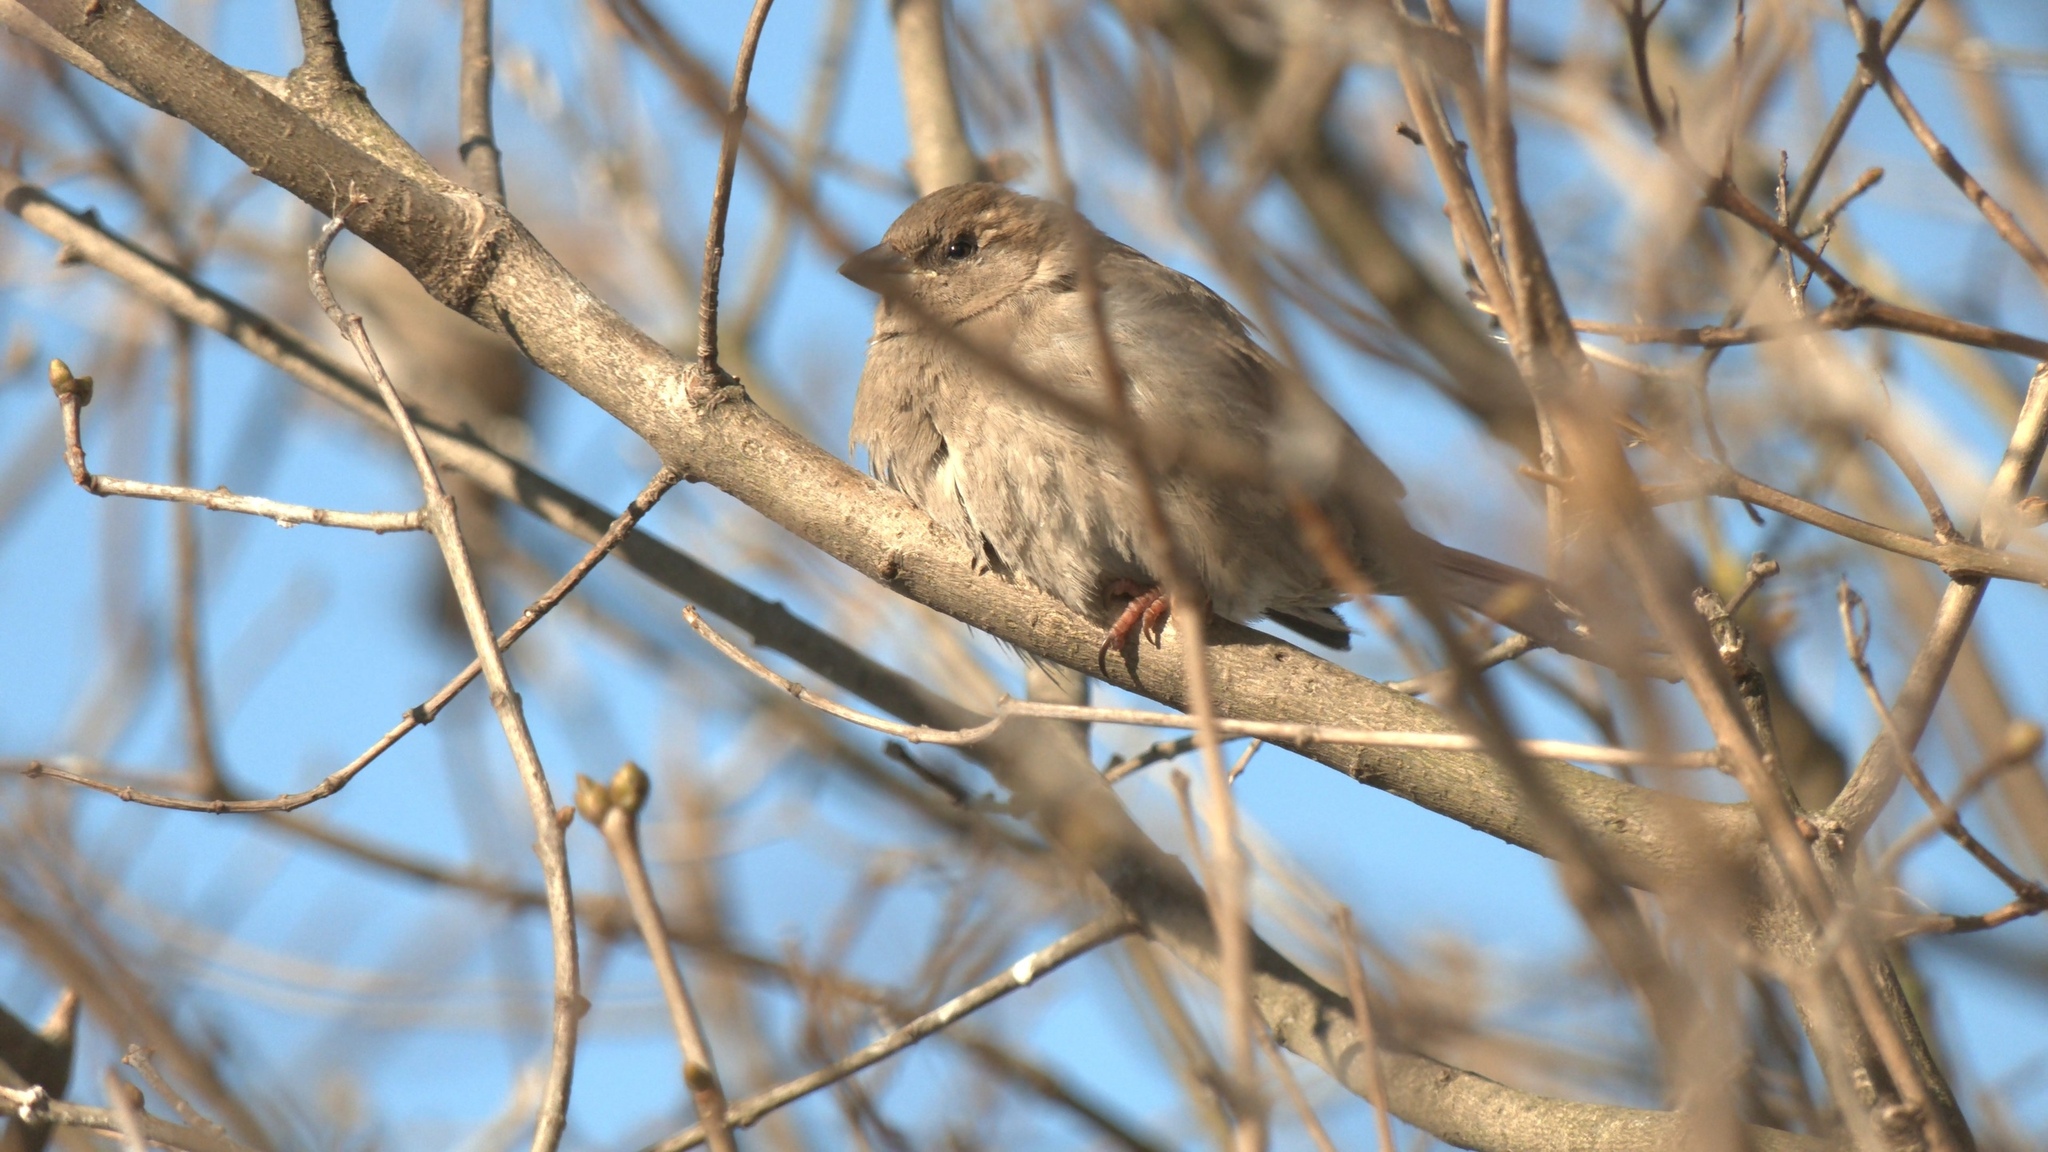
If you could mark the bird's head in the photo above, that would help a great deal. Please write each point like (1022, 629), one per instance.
(964, 250)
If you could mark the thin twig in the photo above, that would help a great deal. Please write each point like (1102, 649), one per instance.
(1018, 975)
(1368, 1041)
(1732, 646)
(1840, 204)
(1961, 558)
(615, 810)
(138, 1058)
(1122, 766)
(75, 392)
(2022, 744)
(1909, 467)
(440, 512)
(34, 1106)
(1272, 730)
(478, 148)
(1244, 759)
(1870, 786)
(1857, 310)
(1761, 568)
(2002, 222)
(1855, 620)
(721, 196)
(1945, 924)
(1228, 892)
(419, 714)
(1512, 647)
(826, 84)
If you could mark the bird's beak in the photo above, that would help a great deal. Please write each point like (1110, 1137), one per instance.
(877, 269)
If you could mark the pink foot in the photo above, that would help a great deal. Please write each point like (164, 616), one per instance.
(1146, 614)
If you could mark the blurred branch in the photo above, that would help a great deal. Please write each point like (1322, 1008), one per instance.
(1369, 1046)
(478, 147)
(127, 1110)
(940, 154)
(109, 1121)
(202, 753)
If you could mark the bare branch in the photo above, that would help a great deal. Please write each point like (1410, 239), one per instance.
(940, 154)
(75, 392)
(1361, 1004)
(721, 197)
(1027, 969)
(420, 714)
(33, 1102)
(1877, 775)
(1263, 729)
(440, 511)
(478, 146)
(2002, 222)
(615, 810)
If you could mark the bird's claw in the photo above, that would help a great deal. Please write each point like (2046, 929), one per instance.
(1146, 614)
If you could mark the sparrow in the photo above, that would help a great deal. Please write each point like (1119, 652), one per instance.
(984, 399)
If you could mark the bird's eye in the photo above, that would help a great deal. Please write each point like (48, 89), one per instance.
(961, 247)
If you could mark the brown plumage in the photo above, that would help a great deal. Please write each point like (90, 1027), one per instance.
(1050, 497)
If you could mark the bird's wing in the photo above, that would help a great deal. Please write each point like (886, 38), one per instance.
(1191, 358)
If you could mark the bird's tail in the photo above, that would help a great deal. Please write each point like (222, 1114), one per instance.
(1531, 605)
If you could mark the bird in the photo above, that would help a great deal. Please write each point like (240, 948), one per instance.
(984, 400)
